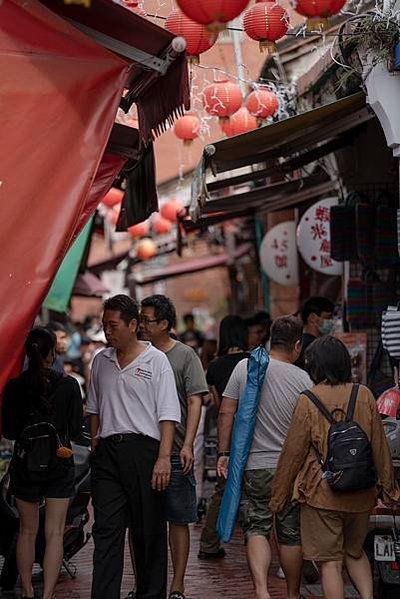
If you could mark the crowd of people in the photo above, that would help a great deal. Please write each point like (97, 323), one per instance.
(146, 393)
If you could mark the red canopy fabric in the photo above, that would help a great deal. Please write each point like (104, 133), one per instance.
(60, 94)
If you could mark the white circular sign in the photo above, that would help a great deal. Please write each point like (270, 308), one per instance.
(314, 238)
(278, 254)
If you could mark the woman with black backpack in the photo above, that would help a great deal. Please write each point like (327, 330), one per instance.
(335, 462)
(42, 412)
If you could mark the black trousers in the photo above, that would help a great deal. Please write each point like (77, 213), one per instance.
(122, 496)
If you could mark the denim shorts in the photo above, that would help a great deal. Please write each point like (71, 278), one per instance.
(181, 495)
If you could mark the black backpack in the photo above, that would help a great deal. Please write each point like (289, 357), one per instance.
(37, 446)
(349, 465)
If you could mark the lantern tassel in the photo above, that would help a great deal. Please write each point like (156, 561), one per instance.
(266, 46)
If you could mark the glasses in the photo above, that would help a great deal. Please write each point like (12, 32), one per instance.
(147, 321)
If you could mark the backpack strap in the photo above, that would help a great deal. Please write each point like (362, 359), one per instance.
(320, 406)
(352, 402)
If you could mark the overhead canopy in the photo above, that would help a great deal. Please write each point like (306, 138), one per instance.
(158, 81)
(284, 146)
(190, 266)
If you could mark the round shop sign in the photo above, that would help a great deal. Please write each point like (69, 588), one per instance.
(314, 238)
(278, 254)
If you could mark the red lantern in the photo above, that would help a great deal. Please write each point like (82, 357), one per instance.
(241, 122)
(197, 38)
(170, 210)
(213, 13)
(262, 103)
(146, 249)
(133, 5)
(266, 22)
(161, 225)
(222, 99)
(139, 230)
(318, 11)
(187, 127)
(113, 197)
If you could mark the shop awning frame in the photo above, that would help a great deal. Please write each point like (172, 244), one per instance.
(284, 146)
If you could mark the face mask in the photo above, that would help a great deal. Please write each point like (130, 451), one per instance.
(326, 326)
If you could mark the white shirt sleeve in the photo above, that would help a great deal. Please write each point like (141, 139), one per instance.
(236, 383)
(92, 405)
(167, 401)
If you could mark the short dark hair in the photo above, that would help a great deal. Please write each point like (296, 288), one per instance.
(327, 359)
(188, 318)
(262, 317)
(55, 326)
(316, 305)
(232, 333)
(164, 309)
(125, 305)
(285, 332)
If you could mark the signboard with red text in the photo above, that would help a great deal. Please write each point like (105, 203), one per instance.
(314, 238)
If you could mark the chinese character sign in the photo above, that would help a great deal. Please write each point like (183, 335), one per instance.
(278, 254)
(314, 238)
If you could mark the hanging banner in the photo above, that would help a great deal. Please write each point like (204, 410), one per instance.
(278, 254)
(314, 238)
(60, 292)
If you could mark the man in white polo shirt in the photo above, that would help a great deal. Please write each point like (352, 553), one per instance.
(133, 407)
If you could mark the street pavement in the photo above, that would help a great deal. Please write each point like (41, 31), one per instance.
(228, 578)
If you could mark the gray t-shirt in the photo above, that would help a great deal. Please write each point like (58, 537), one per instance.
(281, 389)
(190, 380)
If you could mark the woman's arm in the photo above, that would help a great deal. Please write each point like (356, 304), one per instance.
(11, 419)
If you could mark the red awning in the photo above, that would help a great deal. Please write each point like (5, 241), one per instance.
(60, 93)
(158, 81)
(190, 266)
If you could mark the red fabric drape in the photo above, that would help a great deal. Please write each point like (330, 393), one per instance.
(60, 93)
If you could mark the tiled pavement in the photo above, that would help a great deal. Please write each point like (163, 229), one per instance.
(227, 578)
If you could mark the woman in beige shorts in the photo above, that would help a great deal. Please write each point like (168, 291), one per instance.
(334, 524)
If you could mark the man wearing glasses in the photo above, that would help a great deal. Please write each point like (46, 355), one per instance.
(157, 318)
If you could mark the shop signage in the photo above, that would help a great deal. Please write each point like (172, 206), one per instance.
(278, 254)
(314, 238)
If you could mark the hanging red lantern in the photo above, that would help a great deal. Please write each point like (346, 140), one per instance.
(213, 13)
(187, 127)
(197, 37)
(262, 103)
(139, 230)
(241, 122)
(266, 22)
(222, 99)
(170, 210)
(146, 249)
(318, 11)
(133, 5)
(161, 225)
(113, 197)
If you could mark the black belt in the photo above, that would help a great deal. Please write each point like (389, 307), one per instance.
(120, 437)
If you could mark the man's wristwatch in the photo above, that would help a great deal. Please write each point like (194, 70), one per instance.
(224, 454)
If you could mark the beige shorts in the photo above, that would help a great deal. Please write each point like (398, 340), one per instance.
(330, 536)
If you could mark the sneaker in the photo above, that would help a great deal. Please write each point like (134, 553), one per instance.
(131, 595)
(217, 555)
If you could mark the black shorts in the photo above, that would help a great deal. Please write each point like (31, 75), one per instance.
(57, 487)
